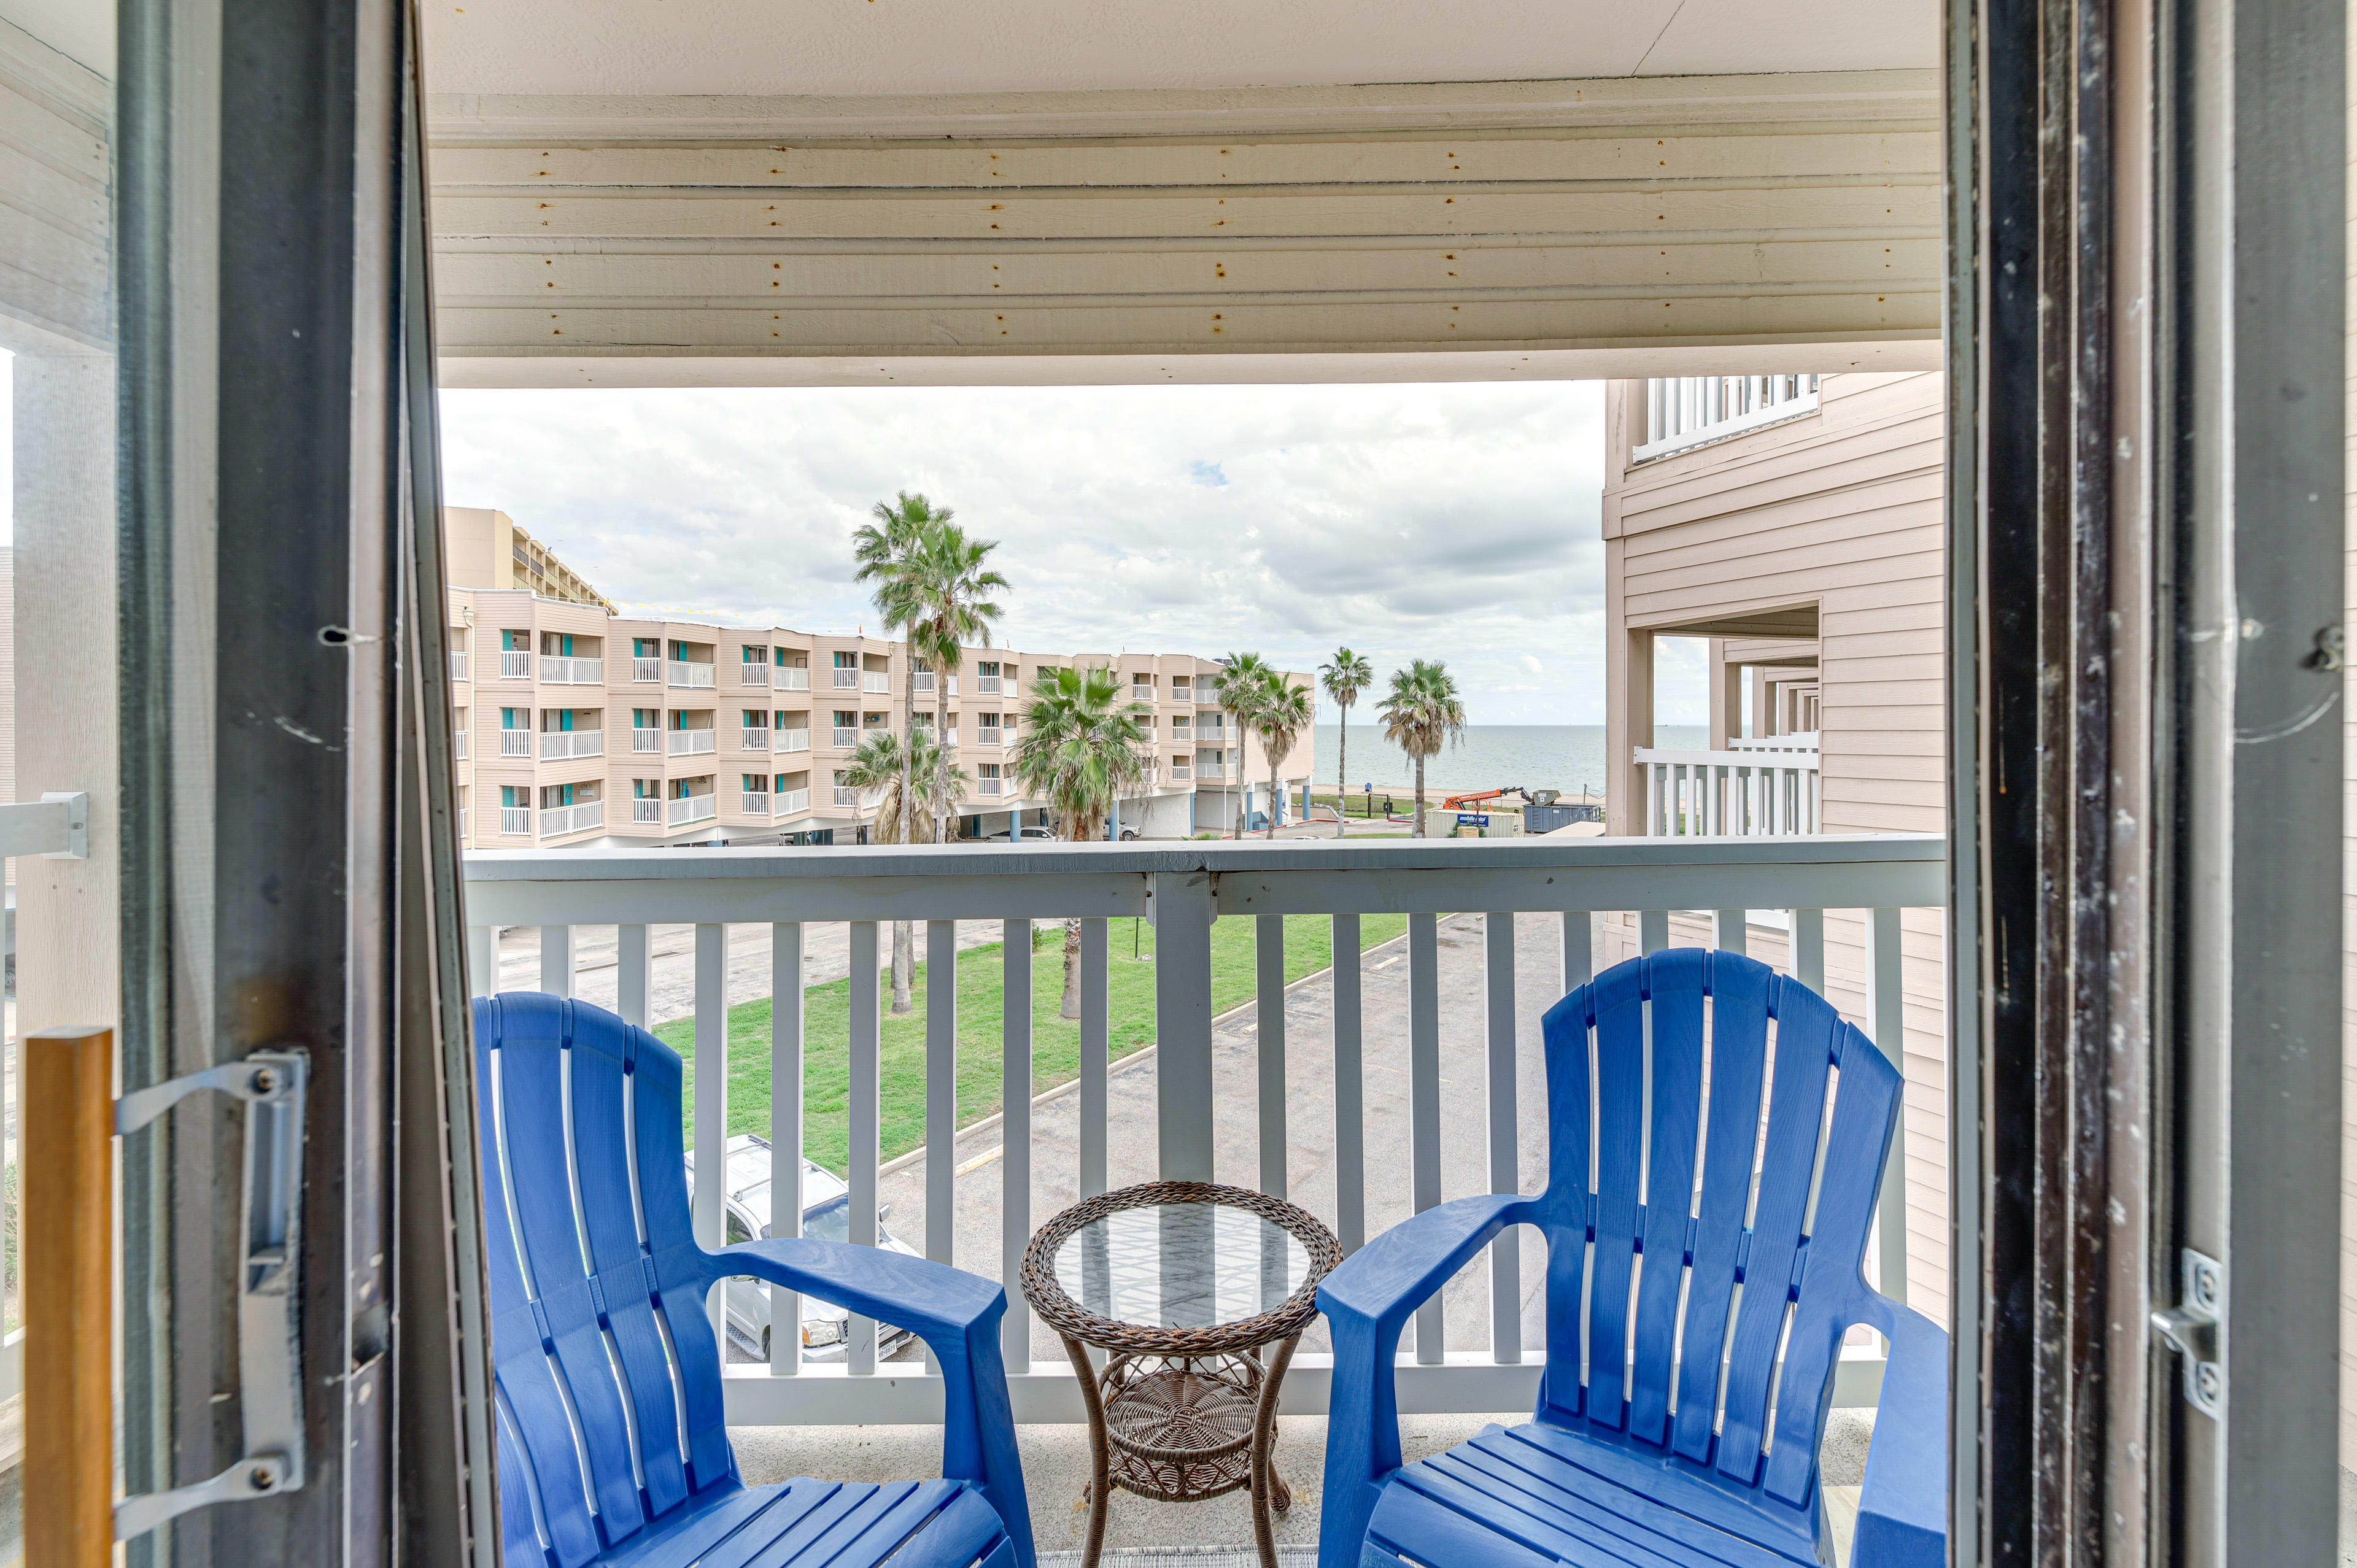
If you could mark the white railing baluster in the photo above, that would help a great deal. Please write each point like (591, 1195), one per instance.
(482, 961)
(785, 1130)
(1730, 929)
(556, 960)
(1269, 990)
(1652, 930)
(630, 964)
(941, 1090)
(1183, 1024)
(1095, 1000)
(1809, 948)
(1349, 1093)
(1886, 1021)
(866, 1120)
(1505, 1136)
(1424, 1101)
(1014, 1128)
(1579, 948)
(711, 1114)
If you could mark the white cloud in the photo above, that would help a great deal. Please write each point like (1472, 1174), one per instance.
(1450, 522)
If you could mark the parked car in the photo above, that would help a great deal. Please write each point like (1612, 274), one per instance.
(826, 1215)
(1030, 833)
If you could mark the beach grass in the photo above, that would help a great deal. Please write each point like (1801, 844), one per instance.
(1055, 1041)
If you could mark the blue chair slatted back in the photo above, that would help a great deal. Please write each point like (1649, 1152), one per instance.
(1701, 1195)
(608, 1371)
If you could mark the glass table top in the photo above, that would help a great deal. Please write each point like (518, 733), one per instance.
(1181, 1265)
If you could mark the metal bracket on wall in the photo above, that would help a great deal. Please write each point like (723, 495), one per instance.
(269, 1337)
(55, 827)
(2191, 1329)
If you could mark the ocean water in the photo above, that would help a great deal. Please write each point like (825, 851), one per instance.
(1490, 756)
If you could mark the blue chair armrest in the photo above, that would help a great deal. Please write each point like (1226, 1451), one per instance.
(1367, 1301)
(1902, 1516)
(954, 1312)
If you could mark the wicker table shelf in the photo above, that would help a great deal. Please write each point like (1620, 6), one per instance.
(1182, 1284)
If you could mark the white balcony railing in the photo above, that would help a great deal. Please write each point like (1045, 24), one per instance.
(1803, 740)
(790, 740)
(458, 666)
(845, 795)
(791, 678)
(690, 742)
(751, 674)
(986, 685)
(1466, 1359)
(987, 734)
(647, 811)
(556, 746)
(458, 743)
(515, 743)
(844, 738)
(515, 822)
(646, 740)
(988, 786)
(875, 681)
(753, 803)
(1180, 772)
(694, 677)
(515, 664)
(846, 680)
(646, 669)
(692, 808)
(556, 820)
(1729, 794)
(925, 678)
(753, 739)
(559, 671)
(789, 802)
(1685, 412)
(1141, 693)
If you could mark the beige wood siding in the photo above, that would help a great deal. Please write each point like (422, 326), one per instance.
(1838, 511)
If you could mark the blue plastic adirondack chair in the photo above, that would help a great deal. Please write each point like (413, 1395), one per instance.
(612, 1445)
(1664, 1453)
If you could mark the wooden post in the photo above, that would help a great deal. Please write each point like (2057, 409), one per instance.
(66, 1222)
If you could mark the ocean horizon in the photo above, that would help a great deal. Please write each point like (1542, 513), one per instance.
(1569, 758)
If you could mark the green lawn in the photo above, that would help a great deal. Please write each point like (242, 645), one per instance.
(1055, 1041)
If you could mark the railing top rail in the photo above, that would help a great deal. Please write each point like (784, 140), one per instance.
(1806, 760)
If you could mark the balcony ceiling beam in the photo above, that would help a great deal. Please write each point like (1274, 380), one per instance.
(1612, 227)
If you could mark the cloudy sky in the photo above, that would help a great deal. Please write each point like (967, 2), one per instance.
(1450, 522)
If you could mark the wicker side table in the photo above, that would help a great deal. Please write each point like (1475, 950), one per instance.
(1182, 1284)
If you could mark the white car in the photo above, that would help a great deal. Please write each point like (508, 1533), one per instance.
(826, 1215)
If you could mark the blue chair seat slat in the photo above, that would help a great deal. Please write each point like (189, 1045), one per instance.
(590, 1394)
(1633, 1483)
(1637, 1457)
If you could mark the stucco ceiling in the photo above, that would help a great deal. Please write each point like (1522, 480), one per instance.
(862, 48)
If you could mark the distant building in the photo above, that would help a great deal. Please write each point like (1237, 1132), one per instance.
(576, 725)
(484, 549)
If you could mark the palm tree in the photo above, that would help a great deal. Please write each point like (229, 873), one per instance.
(890, 550)
(1283, 711)
(952, 586)
(1421, 714)
(1239, 686)
(1345, 678)
(881, 763)
(1082, 744)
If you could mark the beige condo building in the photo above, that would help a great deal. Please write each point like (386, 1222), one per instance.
(576, 725)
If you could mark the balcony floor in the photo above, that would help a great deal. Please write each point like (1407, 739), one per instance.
(1055, 1468)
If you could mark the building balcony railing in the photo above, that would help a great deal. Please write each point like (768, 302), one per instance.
(790, 740)
(753, 803)
(753, 739)
(751, 674)
(647, 811)
(1180, 772)
(846, 680)
(875, 681)
(515, 822)
(691, 742)
(1801, 740)
(1729, 794)
(1541, 933)
(844, 738)
(646, 669)
(561, 670)
(924, 682)
(689, 809)
(1141, 693)
(556, 746)
(694, 677)
(458, 666)
(986, 685)
(646, 740)
(1682, 412)
(515, 664)
(790, 678)
(515, 743)
(789, 802)
(988, 786)
(556, 819)
(458, 744)
(987, 735)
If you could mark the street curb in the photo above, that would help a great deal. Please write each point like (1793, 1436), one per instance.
(1072, 1085)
